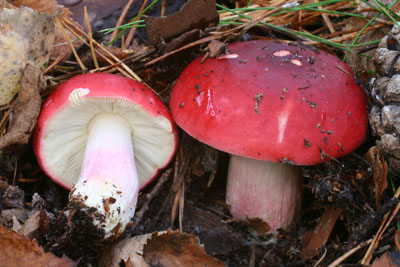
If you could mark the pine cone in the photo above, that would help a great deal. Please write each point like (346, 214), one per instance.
(384, 90)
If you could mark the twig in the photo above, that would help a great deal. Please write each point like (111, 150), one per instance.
(349, 253)
(15, 171)
(163, 3)
(175, 205)
(195, 43)
(54, 63)
(382, 228)
(6, 115)
(263, 16)
(5, 107)
(105, 68)
(212, 177)
(89, 30)
(70, 44)
(181, 204)
(129, 37)
(78, 34)
(125, 67)
(121, 18)
(321, 259)
(139, 215)
(326, 19)
(396, 239)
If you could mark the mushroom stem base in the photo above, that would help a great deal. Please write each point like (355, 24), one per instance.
(265, 190)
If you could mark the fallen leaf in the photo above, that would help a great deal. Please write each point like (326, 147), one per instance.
(61, 48)
(193, 15)
(379, 173)
(177, 249)
(43, 6)
(17, 250)
(25, 112)
(13, 218)
(129, 250)
(218, 237)
(215, 48)
(389, 259)
(314, 240)
(258, 225)
(206, 158)
(37, 225)
(26, 37)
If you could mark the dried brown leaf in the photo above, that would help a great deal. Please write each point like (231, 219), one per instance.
(193, 15)
(43, 6)
(177, 249)
(25, 112)
(26, 38)
(129, 251)
(10, 217)
(314, 240)
(206, 157)
(378, 183)
(17, 250)
(389, 259)
(257, 226)
(37, 225)
(215, 48)
(61, 48)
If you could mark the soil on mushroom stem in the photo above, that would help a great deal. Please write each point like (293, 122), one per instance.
(76, 236)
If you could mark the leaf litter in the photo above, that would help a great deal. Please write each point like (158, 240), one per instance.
(345, 205)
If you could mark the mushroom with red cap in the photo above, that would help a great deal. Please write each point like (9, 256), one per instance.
(272, 106)
(104, 136)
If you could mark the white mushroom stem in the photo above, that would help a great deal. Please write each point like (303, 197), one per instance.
(266, 190)
(108, 186)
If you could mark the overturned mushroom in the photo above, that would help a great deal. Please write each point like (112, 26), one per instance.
(105, 137)
(272, 106)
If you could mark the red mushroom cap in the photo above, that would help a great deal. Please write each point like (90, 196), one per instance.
(104, 92)
(271, 101)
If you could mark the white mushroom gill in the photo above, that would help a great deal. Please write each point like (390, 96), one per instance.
(152, 137)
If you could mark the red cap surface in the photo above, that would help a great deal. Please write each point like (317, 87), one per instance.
(270, 101)
(98, 88)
